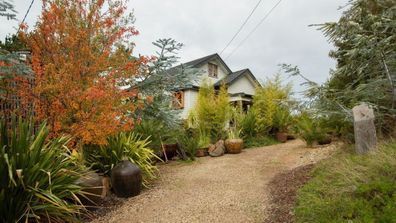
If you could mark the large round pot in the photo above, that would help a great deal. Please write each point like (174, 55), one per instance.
(202, 152)
(126, 179)
(281, 136)
(234, 146)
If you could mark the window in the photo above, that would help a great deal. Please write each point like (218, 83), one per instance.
(178, 100)
(212, 70)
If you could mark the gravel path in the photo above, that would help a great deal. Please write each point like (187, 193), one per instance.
(231, 188)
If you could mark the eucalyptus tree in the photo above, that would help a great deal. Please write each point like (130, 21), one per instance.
(365, 41)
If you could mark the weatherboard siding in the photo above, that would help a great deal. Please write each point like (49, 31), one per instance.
(242, 85)
(222, 73)
(190, 100)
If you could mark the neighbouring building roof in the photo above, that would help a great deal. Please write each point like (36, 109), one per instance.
(235, 76)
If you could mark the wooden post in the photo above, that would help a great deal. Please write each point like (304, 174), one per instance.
(164, 151)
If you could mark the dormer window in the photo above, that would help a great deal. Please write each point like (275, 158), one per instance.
(212, 70)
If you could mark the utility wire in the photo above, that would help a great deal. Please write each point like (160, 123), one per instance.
(26, 14)
(255, 28)
(240, 28)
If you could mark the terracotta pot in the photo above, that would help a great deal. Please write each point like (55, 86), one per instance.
(281, 137)
(202, 152)
(126, 179)
(234, 146)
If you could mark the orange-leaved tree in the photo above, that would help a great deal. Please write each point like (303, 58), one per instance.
(81, 58)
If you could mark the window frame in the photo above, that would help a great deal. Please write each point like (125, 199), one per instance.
(178, 100)
(213, 70)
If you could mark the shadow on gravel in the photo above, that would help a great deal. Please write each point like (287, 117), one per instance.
(283, 189)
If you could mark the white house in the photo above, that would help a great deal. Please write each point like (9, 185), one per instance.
(241, 85)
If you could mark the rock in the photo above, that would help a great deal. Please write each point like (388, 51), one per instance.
(219, 149)
(365, 133)
(93, 185)
(211, 148)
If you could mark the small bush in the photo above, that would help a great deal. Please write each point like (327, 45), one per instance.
(259, 141)
(212, 111)
(120, 147)
(189, 142)
(248, 124)
(351, 188)
(267, 101)
(38, 177)
(157, 131)
(309, 129)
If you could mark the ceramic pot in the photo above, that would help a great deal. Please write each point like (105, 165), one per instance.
(126, 179)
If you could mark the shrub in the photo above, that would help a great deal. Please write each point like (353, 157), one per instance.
(212, 111)
(248, 124)
(351, 188)
(120, 147)
(267, 101)
(282, 119)
(203, 140)
(157, 131)
(38, 177)
(189, 142)
(309, 129)
(259, 141)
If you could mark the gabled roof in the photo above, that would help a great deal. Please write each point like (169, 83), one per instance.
(196, 63)
(231, 78)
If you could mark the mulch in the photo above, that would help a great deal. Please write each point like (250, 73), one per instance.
(283, 189)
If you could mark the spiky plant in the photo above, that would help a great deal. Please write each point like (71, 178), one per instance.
(37, 180)
(124, 146)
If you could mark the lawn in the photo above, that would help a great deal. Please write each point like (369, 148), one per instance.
(351, 188)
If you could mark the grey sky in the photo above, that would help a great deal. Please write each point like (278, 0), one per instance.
(206, 26)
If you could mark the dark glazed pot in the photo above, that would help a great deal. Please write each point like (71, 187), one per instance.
(126, 179)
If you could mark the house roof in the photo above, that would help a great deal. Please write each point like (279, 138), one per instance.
(231, 78)
(196, 63)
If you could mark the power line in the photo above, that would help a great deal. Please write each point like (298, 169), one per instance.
(240, 28)
(26, 14)
(255, 28)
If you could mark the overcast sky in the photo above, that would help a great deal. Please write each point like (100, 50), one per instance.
(206, 26)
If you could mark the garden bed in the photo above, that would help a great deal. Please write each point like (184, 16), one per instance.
(283, 188)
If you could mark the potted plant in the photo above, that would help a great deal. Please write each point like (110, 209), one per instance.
(234, 143)
(203, 144)
(282, 120)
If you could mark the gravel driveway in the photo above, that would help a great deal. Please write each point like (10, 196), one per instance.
(231, 188)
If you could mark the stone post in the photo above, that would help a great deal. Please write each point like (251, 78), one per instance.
(365, 134)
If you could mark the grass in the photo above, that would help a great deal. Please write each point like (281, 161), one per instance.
(252, 142)
(351, 188)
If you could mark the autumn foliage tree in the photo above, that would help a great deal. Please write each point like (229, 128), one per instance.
(81, 58)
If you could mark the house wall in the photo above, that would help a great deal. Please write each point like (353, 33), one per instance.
(222, 73)
(242, 85)
(190, 100)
